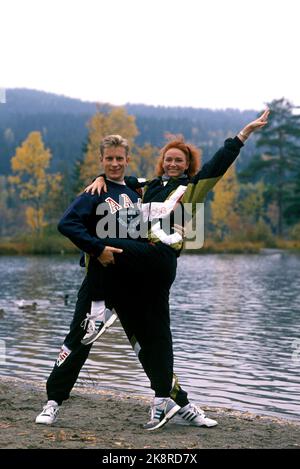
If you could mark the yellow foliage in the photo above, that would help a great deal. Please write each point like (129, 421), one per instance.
(54, 181)
(35, 218)
(100, 125)
(32, 157)
(32, 182)
(30, 163)
(252, 205)
(224, 205)
(14, 180)
(145, 160)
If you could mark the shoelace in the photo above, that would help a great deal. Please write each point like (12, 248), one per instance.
(50, 408)
(156, 410)
(89, 323)
(197, 410)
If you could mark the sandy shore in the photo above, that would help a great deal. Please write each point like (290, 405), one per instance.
(97, 419)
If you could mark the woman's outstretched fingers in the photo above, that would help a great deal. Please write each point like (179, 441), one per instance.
(265, 115)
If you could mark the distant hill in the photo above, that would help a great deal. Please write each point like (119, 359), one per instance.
(62, 121)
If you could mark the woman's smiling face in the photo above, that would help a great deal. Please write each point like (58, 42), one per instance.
(175, 162)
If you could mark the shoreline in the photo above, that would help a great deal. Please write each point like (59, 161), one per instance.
(222, 249)
(57, 245)
(113, 420)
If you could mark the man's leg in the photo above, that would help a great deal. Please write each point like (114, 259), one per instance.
(70, 361)
(129, 323)
(66, 369)
(141, 302)
(143, 308)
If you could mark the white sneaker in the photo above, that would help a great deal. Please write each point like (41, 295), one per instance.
(49, 413)
(162, 410)
(96, 324)
(192, 415)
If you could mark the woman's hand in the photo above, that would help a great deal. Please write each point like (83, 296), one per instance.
(98, 185)
(107, 255)
(254, 125)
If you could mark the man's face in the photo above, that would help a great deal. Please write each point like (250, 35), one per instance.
(114, 162)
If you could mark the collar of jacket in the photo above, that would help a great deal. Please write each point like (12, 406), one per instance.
(182, 178)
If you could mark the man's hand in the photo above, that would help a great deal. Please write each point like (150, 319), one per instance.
(107, 256)
(98, 185)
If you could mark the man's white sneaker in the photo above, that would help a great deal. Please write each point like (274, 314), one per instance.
(162, 410)
(49, 413)
(96, 324)
(192, 415)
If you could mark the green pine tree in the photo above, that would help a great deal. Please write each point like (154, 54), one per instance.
(279, 160)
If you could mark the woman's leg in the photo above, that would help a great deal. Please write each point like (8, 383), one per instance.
(135, 256)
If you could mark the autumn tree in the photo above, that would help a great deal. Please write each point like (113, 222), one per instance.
(223, 208)
(251, 202)
(117, 121)
(144, 159)
(30, 164)
(252, 209)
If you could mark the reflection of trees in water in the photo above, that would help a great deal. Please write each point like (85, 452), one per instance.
(240, 304)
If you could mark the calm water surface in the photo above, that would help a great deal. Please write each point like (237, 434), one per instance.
(235, 323)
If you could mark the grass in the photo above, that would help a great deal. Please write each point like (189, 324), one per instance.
(50, 244)
(57, 244)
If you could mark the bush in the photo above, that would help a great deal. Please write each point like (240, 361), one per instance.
(260, 232)
(288, 244)
(234, 247)
(26, 244)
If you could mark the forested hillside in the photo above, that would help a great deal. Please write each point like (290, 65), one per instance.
(49, 151)
(62, 122)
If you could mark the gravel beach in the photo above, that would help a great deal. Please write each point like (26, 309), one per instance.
(110, 420)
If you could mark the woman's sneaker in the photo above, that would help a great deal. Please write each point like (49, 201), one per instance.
(96, 324)
(49, 413)
(162, 410)
(192, 415)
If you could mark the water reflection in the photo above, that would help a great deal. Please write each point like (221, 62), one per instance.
(234, 320)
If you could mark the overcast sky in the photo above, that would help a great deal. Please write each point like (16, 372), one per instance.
(201, 53)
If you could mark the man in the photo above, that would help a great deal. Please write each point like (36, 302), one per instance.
(140, 299)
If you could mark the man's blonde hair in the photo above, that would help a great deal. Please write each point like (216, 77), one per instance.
(114, 141)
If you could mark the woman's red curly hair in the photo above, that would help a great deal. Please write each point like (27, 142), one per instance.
(192, 154)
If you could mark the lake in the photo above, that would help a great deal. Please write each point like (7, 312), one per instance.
(235, 323)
